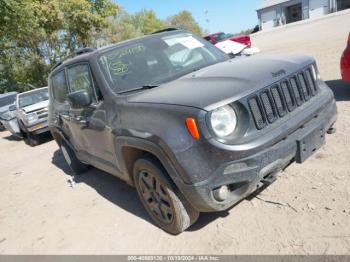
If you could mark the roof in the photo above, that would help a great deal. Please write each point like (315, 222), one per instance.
(33, 90)
(268, 3)
(8, 94)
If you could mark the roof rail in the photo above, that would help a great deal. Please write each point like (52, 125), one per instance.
(165, 30)
(75, 53)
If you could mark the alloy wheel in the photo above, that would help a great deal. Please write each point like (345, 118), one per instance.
(156, 197)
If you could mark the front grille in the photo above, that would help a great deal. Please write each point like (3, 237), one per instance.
(288, 95)
(257, 113)
(42, 113)
(296, 91)
(304, 89)
(278, 100)
(42, 116)
(268, 106)
(311, 82)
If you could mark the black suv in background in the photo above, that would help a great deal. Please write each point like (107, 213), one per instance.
(193, 130)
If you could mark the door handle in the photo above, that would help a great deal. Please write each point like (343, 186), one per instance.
(66, 117)
(83, 122)
(78, 118)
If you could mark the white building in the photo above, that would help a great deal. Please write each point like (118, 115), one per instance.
(272, 13)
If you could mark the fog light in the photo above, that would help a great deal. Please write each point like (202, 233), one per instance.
(221, 193)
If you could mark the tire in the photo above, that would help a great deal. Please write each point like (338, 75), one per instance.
(73, 162)
(161, 199)
(31, 140)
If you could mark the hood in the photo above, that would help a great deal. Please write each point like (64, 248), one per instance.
(36, 106)
(4, 109)
(224, 82)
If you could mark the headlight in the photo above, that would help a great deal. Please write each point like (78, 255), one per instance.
(32, 117)
(223, 121)
(315, 73)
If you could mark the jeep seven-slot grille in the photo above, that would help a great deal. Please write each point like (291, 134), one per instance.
(278, 100)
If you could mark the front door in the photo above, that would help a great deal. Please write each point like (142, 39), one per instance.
(91, 135)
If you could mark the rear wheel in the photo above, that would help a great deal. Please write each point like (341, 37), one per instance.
(73, 162)
(161, 199)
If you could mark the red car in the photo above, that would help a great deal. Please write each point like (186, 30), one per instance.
(218, 37)
(345, 63)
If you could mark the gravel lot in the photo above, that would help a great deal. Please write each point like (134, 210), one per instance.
(306, 211)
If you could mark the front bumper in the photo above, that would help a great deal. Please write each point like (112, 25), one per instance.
(244, 176)
(38, 128)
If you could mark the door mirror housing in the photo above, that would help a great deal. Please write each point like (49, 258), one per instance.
(12, 108)
(79, 99)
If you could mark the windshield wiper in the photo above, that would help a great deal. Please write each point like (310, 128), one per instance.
(144, 87)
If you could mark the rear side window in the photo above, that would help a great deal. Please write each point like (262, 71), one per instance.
(79, 78)
(60, 88)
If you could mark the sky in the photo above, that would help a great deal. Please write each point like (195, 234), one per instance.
(230, 16)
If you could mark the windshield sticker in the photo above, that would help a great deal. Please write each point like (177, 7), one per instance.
(190, 42)
(119, 68)
(171, 41)
(126, 52)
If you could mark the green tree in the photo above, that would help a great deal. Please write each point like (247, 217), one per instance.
(119, 28)
(185, 20)
(35, 34)
(125, 26)
(147, 22)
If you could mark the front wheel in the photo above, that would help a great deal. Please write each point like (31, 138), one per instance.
(73, 162)
(160, 198)
(32, 140)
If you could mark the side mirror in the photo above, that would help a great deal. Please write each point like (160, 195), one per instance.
(12, 108)
(79, 99)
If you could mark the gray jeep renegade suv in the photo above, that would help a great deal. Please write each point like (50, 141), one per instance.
(191, 129)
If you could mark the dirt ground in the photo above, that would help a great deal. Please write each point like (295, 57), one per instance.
(306, 211)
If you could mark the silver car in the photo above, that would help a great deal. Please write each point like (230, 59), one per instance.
(6, 100)
(31, 110)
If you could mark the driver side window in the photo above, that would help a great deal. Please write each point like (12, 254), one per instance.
(79, 77)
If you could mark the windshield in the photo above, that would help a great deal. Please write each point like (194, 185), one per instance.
(32, 98)
(157, 59)
(221, 36)
(7, 100)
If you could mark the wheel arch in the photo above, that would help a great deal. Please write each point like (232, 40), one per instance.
(129, 149)
(59, 136)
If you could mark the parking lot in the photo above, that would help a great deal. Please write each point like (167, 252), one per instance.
(306, 211)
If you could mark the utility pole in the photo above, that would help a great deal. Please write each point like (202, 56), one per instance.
(206, 12)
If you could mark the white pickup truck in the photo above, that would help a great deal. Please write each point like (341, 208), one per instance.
(30, 111)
